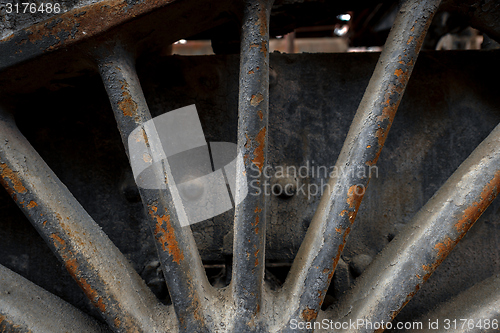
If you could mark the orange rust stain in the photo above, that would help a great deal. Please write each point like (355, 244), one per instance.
(409, 40)
(342, 213)
(166, 237)
(309, 314)
(256, 262)
(262, 22)
(117, 322)
(474, 211)
(86, 22)
(6, 39)
(353, 196)
(352, 216)
(368, 146)
(257, 210)
(326, 270)
(412, 28)
(251, 72)
(256, 99)
(256, 221)
(338, 230)
(72, 267)
(32, 204)
(91, 294)
(257, 231)
(264, 47)
(261, 115)
(127, 104)
(398, 73)
(259, 151)
(58, 239)
(44, 223)
(444, 248)
(17, 186)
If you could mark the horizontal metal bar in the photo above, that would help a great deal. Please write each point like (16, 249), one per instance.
(185, 276)
(408, 261)
(59, 47)
(250, 214)
(25, 307)
(70, 28)
(100, 269)
(313, 268)
(475, 310)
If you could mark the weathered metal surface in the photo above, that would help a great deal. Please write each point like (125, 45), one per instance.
(25, 307)
(250, 215)
(408, 261)
(475, 310)
(181, 263)
(246, 305)
(99, 268)
(440, 121)
(60, 47)
(313, 269)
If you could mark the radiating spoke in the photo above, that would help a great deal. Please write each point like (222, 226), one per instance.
(409, 260)
(99, 268)
(313, 268)
(475, 310)
(181, 263)
(25, 307)
(250, 214)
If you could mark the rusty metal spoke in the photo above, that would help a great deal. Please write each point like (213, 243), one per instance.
(478, 305)
(250, 215)
(181, 263)
(99, 268)
(410, 259)
(313, 268)
(25, 307)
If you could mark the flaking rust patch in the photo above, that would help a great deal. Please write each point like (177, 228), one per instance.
(31, 204)
(309, 314)
(127, 105)
(353, 196)
(259, 151)
(166, 236)
(16, 184)
(444, 248)
(474, 211)
(256, 99)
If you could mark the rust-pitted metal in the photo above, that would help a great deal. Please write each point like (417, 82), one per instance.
(25, 307)
(99, 268)
(398, 272)
(72, 27)
(250, 215)
(478, 305)
(105, 276)
(60, 47)
(312, 271)
(181, 263)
